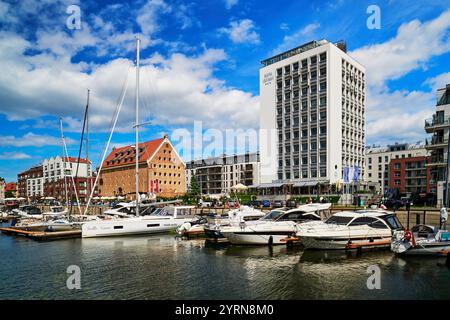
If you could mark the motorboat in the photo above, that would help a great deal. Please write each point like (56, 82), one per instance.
(161, 220)
(423, 240)
(56, 211)
(212, 229)
(350, 230)
(275, 226)
(193, 228)
(28, 212)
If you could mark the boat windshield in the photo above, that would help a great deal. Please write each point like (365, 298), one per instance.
(393, 222)
(272, 215)
(339, 220)
(166, 211)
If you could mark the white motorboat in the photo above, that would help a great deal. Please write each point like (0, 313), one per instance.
(422, 240)
(234, 217)
(122, 208)
(28, 212)
(56, 211)
(350, 230)
(275, 226)
(161, 220)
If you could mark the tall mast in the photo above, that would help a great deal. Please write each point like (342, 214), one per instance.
(137, 125)
(63, 161)
(88, 184)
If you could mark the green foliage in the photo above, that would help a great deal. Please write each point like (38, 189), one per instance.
(9, 194)
(194, 187)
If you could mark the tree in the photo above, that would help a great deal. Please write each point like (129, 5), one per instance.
(9, 194)
(194, 188)
(2, 179)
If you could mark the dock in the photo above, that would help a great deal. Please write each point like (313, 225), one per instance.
(42, 235)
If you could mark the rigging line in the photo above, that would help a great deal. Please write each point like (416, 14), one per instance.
(79, 155)
(71, 176)
(116, 116)
(124, 83)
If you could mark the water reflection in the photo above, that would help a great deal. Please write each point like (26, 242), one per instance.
(166, 267)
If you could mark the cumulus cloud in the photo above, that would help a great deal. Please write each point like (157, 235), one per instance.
(14, 156)
(297, 38)
(32, 140)
(439, 81)
(242, 31)
(400, 114)
(230, 3)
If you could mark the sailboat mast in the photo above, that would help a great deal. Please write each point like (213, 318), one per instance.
(88, 184)
(137, 126)
(63, 161)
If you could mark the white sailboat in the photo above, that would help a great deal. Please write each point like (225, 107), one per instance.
(162, 220)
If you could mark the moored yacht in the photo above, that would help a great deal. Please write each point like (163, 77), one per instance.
(422, 240)
(234, 217)
(275, 226)
(350, 230)
(161, 220)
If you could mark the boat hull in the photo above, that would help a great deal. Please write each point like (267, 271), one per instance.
(248, 238)
(130, 226)
(344, 243)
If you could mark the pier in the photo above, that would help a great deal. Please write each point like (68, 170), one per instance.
(42, 235)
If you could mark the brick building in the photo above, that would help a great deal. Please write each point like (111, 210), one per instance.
(161, 171)
(57, 189)
(31, 182)
(410, 175)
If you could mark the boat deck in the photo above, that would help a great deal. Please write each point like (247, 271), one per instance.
(42, 236)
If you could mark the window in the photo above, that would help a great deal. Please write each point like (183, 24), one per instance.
(338, 220)
(362, 221)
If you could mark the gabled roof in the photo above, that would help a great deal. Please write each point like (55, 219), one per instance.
(126, 155)
(11, 186)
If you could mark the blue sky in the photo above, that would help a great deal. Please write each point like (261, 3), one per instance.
(201, 63)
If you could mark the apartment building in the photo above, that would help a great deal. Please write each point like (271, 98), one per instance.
(438, 126)
(217, 175)
(378, 161)
(57, 168)
(31, 182)
(410, 175)
(161, 171)
(313, 97)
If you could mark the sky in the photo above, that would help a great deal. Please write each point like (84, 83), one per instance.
(200, 62)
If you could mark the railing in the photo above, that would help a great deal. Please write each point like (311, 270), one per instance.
(436, 121)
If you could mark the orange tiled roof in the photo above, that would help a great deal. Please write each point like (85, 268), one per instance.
(126, 155)
(74, 160)
(11, 186)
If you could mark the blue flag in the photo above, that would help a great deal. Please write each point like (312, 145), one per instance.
(355, 174)
(346, 171)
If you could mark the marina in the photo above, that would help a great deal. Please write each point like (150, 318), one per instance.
(167, 267)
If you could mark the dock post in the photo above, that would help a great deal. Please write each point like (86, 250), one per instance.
(424, 215)
(407, 219)
(447, 261)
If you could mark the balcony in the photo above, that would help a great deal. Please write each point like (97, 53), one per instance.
(436, 123)
(437, 161)
(436, 142)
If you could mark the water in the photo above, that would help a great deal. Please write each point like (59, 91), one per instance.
(163, 267)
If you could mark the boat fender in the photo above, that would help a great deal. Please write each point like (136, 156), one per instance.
(270, 240)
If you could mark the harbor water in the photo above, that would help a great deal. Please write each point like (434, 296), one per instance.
(166, 267)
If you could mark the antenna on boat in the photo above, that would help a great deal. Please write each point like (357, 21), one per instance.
(137, 125)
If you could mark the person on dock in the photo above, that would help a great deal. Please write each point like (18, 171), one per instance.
(444, 217)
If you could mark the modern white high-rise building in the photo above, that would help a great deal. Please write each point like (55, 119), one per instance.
(312, 115)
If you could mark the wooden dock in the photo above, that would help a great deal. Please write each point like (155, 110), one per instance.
(42, 236)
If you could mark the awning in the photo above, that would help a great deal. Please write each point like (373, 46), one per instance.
(306, 183)
(270, 185)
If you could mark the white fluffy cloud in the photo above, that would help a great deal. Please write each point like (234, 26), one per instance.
(297, 38)
(14, 156)
(32, 140)
(175, 90)
(230, 3)
(242, 31)
(400, 114)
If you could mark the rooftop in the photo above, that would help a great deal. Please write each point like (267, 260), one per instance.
(395, 147)
(126, 155)
(302, 48)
